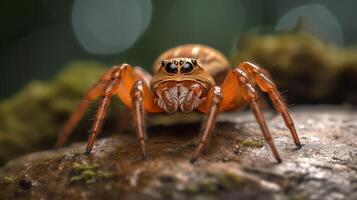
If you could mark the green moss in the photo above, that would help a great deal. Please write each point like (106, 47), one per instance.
(82, 166)
(6, 180)
(253, 143)
(87, 173)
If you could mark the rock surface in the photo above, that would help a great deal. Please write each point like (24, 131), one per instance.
(237, 163)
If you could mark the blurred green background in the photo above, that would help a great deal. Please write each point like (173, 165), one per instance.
(52, 51)
(39, 37)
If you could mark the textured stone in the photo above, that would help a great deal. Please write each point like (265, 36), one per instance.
(236, 164)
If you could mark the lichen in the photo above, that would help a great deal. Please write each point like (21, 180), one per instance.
(87, 173)
(253, 143)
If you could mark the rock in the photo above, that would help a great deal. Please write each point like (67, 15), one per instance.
(236, 164)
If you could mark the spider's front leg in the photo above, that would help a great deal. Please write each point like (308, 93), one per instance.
(137, 104)
(109, 90)
(134, 93)
(236, 91)
(211, 106)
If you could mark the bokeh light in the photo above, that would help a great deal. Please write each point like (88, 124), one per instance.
(110, 27)
(314, 18)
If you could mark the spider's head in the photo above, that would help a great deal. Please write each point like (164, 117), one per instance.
(181, 69)
(184, 66)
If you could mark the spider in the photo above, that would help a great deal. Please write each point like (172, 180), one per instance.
(185, 79)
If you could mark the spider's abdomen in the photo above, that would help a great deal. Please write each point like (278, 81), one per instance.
(213, 61)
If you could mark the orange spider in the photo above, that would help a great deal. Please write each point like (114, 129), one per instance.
(184, 80)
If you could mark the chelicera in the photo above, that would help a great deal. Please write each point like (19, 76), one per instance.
(185, 79)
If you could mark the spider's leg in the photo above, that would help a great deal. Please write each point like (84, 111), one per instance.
(250, 95)
(143, 75)
(95, 91)
(109, 89)
(124, 81)
(261, 78)
(134, 94)
(215, 98)
(124, 116)
(137, 103)
(237, 92)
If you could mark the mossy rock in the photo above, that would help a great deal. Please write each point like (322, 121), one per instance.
(87, 173)
(31, 119)
(308, 68)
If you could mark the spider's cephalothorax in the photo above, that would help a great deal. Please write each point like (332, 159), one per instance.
(174, 87)
(186, 78)
(184, 75)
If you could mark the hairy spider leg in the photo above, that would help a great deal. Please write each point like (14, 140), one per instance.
(250, 95)
(124, 115)
(261, 78)
(132, 91)
(137, 104)
(236, 90)
(215, 98)
(77, 115)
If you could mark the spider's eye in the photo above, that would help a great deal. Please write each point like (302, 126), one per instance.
(186, 68)
(171, 68)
